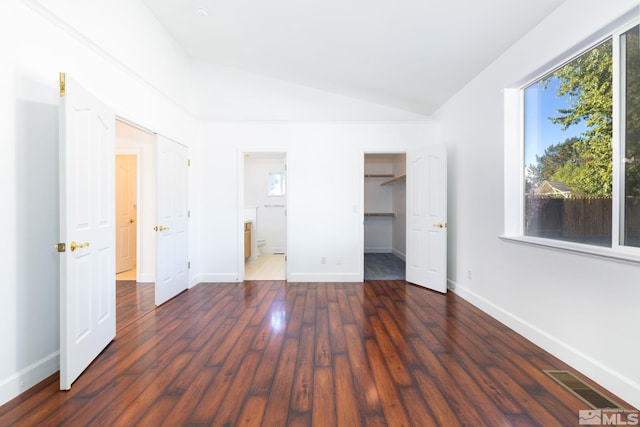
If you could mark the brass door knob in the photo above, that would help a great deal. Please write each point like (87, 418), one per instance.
(131, 221)
(73, 245)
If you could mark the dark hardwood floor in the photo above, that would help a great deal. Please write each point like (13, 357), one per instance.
(311, 354)
(133, 300)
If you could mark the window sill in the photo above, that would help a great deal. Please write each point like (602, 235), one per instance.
(619, 254)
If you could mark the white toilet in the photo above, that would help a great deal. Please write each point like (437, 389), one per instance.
(261, 244)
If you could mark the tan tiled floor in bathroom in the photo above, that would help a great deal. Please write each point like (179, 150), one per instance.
(265, 267)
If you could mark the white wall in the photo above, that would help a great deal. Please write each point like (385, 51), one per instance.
(123, 31)
(228, 94)
(325, 180)
(582, 309)
(36, 46)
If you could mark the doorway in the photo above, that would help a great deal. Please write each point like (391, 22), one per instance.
(135, 213)
(385, 216)
(265, 216)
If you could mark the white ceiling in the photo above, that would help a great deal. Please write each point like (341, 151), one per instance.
(408, 54)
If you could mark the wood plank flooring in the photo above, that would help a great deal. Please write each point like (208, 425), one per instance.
(271, 353)
(134, 300)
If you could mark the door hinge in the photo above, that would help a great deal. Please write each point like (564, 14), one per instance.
(285, 258)
(62, 85)
(60, 247)
(188, 162)
(189, 264)
(188, 214)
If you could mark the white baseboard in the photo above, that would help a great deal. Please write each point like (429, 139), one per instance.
(215, 278)
(377, 250)
(304, 277)
(273, 250)
(147, 278)
(602, 374)
(324, 277)
(26, 378)
(400, 255)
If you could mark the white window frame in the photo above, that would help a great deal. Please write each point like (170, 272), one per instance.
(282, 188)
(514, 167)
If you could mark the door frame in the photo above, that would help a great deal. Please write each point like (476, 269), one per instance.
(240, 207)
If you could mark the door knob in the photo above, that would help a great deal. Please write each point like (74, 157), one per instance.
(73, 245)
(131, 221)
(440, 225)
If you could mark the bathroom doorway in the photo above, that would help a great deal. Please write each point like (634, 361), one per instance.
(265, 215)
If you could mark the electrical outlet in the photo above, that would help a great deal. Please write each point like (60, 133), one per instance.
(339, 260)
(469, 274)
(323, 260)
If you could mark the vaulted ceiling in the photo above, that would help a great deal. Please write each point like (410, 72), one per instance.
(408, 54)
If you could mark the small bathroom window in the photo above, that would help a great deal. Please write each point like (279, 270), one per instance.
(276, 184)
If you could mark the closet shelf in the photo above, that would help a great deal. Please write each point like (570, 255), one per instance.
(397, 178)
(379, 214)
(378, 175)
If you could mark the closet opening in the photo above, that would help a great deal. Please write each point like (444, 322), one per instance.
(385, 216)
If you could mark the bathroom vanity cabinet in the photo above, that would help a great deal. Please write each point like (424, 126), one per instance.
(247, 239)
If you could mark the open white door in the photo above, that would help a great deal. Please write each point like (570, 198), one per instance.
(87, 270)
(126, 174)
(172, 262)
(427, 217)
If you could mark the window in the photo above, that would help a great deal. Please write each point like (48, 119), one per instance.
(276, 184)
(568, 152)
(580, 160)
(630, 124)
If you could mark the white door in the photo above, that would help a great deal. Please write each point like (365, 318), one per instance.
(126, 174)
(426, 262)
(87, 270)
(172, 260)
